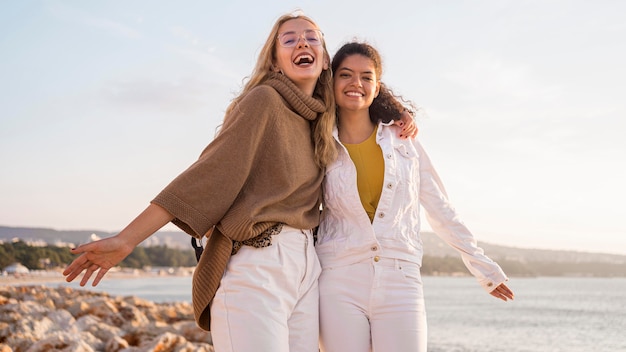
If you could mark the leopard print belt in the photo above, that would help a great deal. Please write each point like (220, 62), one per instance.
(264, 239)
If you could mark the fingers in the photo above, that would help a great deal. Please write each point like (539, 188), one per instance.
(91, 268)
(498, 295)
(407, 124)
(86, 247)
(401, 125)
(75, 268)
(409, 131)
(503, 292)
(80, 265)
(408, 127)
(99, 277)
(506, 291)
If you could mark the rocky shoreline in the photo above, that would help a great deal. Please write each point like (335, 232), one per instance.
(38, 318)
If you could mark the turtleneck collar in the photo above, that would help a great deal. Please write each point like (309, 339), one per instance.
(305, 105)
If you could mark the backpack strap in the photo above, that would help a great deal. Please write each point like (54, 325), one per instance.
(197, 247)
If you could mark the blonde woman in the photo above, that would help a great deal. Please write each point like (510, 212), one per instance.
(257, 183)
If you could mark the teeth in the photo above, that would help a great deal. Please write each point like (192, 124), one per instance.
(304, 59)
(354, 94)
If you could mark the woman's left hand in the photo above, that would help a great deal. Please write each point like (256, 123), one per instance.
(408, 128)
(503, 292)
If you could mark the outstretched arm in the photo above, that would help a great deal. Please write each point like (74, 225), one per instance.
(100, 256)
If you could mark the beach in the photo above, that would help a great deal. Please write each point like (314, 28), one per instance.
(42, 317)
(35, 277)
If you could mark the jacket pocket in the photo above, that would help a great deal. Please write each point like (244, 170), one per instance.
(407, 167)
(333, 181)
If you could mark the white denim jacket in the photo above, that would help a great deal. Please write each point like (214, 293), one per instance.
(346, 235)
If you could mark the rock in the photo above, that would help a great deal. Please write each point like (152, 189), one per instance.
(61, 342)
(63, 320)
(170, 342)
(116, 344)
(132, 316)
(101, 307)
(78, 309)
(30, 329)
(97, 328)
(191, 331)
(40, 318)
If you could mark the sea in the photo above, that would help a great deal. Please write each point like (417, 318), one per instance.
(552, 314)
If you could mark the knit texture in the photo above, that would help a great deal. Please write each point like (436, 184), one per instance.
(259, 171)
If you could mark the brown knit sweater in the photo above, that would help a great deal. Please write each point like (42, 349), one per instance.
(258, 171)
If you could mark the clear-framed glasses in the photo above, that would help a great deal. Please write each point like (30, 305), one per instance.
(291, 39)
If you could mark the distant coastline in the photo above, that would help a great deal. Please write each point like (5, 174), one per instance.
(439, 258)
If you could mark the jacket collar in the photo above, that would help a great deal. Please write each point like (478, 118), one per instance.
(382, 126)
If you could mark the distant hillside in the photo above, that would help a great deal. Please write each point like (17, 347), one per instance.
(439, 258)
(72, 238)
(433, 245)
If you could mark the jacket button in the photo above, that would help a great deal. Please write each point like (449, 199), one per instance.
(389, 156)
(381, 215)
(389, 185)
(490, 284)
(376, 258)
(374, 248)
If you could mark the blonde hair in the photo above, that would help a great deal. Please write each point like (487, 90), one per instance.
(322, 127)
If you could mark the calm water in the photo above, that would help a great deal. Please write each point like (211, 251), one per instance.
(548, 314)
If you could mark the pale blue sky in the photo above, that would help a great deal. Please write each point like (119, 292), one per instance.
(102, 103)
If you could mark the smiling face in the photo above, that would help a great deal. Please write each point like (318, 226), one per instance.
(303, 62)
(356, 83)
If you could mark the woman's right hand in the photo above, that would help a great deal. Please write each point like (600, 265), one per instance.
(97, 257)
(100, 256)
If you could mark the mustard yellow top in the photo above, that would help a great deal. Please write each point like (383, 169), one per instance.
(370, 170)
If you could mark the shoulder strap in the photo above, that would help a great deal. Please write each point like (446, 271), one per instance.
(197, 246)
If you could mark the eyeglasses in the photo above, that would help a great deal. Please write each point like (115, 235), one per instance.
(290, 39)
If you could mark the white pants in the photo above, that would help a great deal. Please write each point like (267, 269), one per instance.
(372, 306)
(268, 298)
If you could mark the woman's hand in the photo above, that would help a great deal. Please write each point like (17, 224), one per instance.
(102, 255)
(408, 128)
(503, 292)
(98, 256)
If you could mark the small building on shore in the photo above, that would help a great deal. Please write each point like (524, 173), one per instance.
(16, 269)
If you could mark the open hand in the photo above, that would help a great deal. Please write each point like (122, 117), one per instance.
(98, 256)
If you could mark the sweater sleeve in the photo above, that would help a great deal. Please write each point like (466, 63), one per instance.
(446, 223)
(201, 195)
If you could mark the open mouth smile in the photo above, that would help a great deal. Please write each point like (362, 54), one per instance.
(304, 59)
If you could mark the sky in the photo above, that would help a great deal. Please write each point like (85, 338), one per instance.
(522, 105)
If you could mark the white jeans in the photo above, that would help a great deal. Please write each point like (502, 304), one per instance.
(372, 306)
(268, 298)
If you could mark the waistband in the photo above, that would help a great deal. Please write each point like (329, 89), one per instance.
(264, 239)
